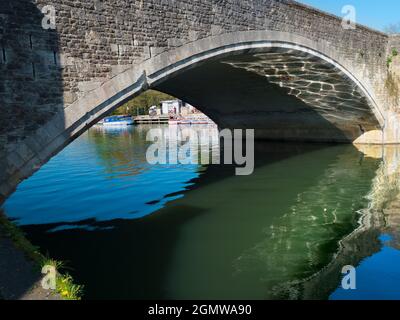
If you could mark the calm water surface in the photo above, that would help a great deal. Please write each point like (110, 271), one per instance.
(132, 230)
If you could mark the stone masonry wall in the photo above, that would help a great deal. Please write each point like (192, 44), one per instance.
(393, 79)
(31, 88)
(30, 77)
(97, 39)
(394, 42)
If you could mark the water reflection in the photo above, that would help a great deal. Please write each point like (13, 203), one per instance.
(176, 231)
(281, 224)
(378, 274)
(373, 247)
(102, 176)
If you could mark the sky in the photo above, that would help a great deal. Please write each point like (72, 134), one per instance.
(375, 14)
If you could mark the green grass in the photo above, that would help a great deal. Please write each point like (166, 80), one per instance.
(17, 236)
(65, 285)
(67, 288)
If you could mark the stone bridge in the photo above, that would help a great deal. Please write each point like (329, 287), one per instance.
(287, 70)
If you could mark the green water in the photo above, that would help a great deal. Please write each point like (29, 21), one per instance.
(189, 231)
(281, 224)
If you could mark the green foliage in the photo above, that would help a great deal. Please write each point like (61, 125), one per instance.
(394, 53)
(64, 283)
(389, 61)
(393, 28)
(67, 289)
(17, 236)
(142, 103)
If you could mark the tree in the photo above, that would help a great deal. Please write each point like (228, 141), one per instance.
(393, 28)
(142, 103)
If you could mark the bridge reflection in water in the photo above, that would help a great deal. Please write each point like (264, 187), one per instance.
(374, 246)
(132, 230)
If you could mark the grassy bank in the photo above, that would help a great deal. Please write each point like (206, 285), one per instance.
(65, 287)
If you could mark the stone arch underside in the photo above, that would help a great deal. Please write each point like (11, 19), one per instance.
(281, 92)
(278, 70)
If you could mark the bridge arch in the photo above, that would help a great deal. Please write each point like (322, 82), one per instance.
(165, 67)
(168, 64)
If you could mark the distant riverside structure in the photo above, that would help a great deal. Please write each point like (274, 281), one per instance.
(173, 112)
(287, 70)
(171, 107)
(178, 107)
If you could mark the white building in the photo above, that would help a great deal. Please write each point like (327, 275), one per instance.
(171, 107)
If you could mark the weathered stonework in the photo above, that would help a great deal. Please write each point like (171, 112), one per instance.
(54, 84)
(320, 86)
(394, 42)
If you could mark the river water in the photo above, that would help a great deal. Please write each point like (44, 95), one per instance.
(131, 230)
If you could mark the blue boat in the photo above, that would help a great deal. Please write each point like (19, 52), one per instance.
(117, 121)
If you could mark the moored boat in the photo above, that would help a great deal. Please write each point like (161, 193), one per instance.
(117, 121)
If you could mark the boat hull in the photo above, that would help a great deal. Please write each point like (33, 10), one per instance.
(118, 123)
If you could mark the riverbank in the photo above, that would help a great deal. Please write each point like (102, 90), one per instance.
(20, 269)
